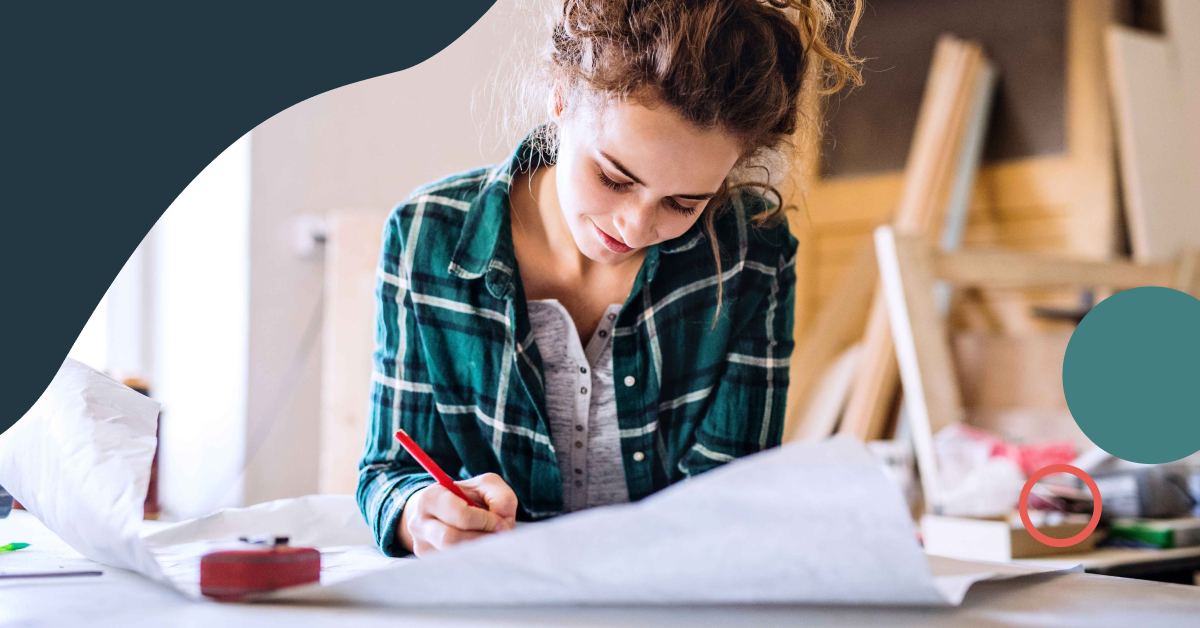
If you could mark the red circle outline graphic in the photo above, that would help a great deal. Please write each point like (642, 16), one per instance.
(1023, 505)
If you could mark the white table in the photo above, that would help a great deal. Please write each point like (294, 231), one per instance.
(127, 600)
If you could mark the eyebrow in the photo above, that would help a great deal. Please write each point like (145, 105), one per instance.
(625, 171)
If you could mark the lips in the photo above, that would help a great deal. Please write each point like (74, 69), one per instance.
(614, 245)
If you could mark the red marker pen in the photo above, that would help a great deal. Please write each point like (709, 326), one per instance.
(430, 466)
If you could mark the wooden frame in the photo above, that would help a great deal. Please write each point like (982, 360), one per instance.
(909, 268)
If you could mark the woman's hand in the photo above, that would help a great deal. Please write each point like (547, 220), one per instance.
(434, 518)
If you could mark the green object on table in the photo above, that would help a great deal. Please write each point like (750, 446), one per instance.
(12, 547)
(1163, 533)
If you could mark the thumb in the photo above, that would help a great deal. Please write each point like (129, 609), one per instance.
(493, 491)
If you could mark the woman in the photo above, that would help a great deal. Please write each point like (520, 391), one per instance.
(610, 310)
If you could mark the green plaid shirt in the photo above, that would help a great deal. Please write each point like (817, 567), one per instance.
(456, 365)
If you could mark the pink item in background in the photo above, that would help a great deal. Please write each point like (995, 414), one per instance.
(1038, 455)
(1030, 457)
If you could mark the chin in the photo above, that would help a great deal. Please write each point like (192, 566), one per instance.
(593, 249)
(599, 253)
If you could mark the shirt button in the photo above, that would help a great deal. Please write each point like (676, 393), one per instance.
(629, 380)
(578, 428)
(612, 317)
(583, 390)
(639, 456)
(578, 444)
(583, 369)
(603, 334)
(578, 471)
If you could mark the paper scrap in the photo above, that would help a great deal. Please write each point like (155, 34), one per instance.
(79, 460)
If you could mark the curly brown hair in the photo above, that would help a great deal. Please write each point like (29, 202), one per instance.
(745, 66)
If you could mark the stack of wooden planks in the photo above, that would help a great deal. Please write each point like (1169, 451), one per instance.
(1059, 202)
(938, 182)
(1052, 202)
(935, 163)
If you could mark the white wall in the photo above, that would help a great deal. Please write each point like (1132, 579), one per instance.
(366, 145)
(200, 263)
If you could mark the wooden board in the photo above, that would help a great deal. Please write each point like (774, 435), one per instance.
(996, 540)
(1162, 195)
(352, 244)
(1012, 386)
(838, 326)
(999, 372)
(921, 346)
(829, 398)
(1182, 26)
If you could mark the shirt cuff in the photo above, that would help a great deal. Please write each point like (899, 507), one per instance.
(393, 507)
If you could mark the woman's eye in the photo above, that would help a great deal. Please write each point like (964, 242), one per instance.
(612, 185)
(675, 206)
(671, 203)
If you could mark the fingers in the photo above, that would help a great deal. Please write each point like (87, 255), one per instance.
(434, 535)
(435, 518)
(451, 509)
(491, 490)
(421, 548)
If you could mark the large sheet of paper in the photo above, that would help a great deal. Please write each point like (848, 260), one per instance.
(814, 522)
(805, 523)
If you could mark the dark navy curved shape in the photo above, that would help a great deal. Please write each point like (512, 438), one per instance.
(110, 109)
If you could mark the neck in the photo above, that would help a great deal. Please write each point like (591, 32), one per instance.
(538, 220)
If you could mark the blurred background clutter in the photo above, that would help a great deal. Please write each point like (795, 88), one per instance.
(1006, 166)
(1048, 149)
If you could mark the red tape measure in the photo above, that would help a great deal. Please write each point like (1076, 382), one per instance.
(230, 574)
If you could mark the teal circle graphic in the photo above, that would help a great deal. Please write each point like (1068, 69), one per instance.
(1131, 375)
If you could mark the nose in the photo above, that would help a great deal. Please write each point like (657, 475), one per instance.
(635, 222)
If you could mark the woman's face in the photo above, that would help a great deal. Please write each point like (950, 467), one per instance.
(629, 177)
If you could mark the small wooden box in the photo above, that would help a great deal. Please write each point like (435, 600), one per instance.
(997, 540)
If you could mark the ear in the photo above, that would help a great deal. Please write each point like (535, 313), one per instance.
(554, 103)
